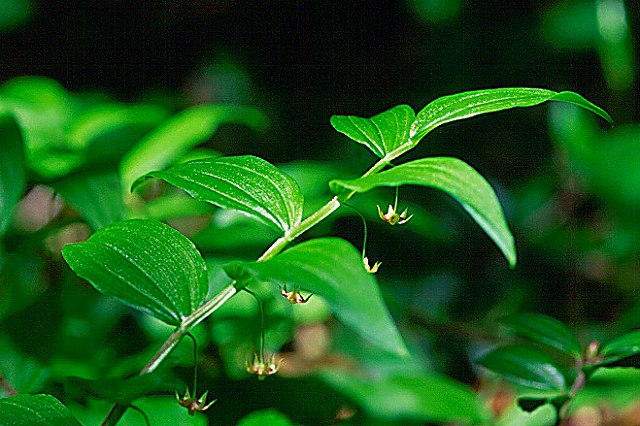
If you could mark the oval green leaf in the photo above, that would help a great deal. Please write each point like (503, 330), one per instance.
(411, 398)
(456, 178)
(12, 172)
(145, 264)
(331, 268)
(468, 104)
(545, 331)
(246, 183)
(624, 346)
(173, 139)
(35, 410)
(526, 366)
(381, 133)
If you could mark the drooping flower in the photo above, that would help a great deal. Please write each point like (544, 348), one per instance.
(293, 296)
(371, 269)
(192, 404)
(262, 368)
(392, 217)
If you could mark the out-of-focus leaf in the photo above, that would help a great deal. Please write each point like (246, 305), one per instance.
(43, 110)
(173, 139)
(246, 183)
(35, 410)
(231, 230)
(145, 264)
(175, 205)
(13, 13)
(265, 418)
(97, 197)
(160, 410)
(381, 133)
(12, 168)
(331, 268)
(456, 178)
(124, 391)
(526, 366)
(624, 346)
(544, 330)
(545, 415)
(107, 132)
(616, 387)
(410, 398)
(21, 372)
(468, 104)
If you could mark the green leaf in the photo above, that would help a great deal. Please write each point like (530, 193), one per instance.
(12, 172)
(145, 264)
(96, 197)
(246, 183)
(468, 104)
(456, 178)
(544, 330)
(526, 366)
(123, 391)
(35, 410)
(546, 415)
(381, 133)
(403, 397)
(331, 268)
(624, 346)
(172, 140)
(265, 418)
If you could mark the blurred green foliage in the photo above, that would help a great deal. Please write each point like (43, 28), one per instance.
(568, 184)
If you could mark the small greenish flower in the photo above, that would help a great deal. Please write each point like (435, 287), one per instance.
(371, 269)
(392, 217)
(293, 296)
(192, 404)
(261, 368)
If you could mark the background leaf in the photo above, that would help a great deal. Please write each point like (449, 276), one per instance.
(265, 418)
(381, 133)
(97, 197)
(526, 366)
(468, 104)
(172, 140)
(403, 397)
(331, 268)
(245, 183)
(145, 264)
(623, 347)
(544, 330)
(456, 178)
(35, 410)
(12, 172)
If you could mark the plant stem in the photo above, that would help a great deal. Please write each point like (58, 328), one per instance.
(219, 299)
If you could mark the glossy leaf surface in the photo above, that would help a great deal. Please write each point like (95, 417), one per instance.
(411, 398)
(381, 133)
(468, 104)
(246, 183)
(526, 366)
(544, 330)
(145, 264)
(12, 170)
(173, 139)
(331, 268)
(623, 347)
(456, 178)
(35, 410)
